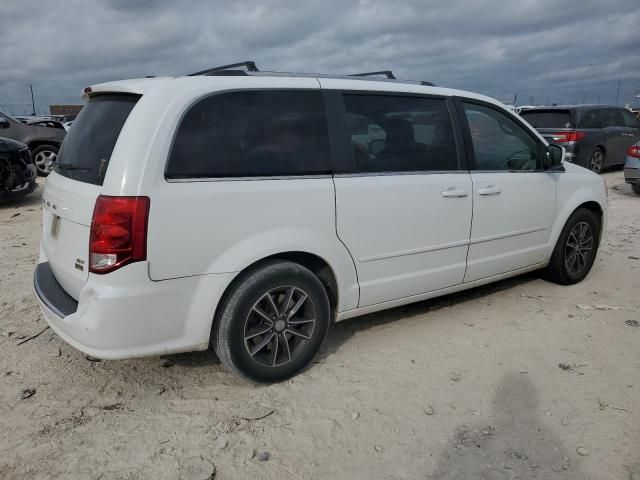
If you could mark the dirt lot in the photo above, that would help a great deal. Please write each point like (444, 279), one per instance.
(522, 379)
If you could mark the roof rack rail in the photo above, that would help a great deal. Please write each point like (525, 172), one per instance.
(427, 84)
(386, 73)
(249, 65)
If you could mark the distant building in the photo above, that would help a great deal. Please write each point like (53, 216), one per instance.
(64, 109)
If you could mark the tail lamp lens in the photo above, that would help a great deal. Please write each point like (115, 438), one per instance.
(566, 137)
(118, 232)
(634, 151)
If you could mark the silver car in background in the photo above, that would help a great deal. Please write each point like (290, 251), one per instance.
(632, 167)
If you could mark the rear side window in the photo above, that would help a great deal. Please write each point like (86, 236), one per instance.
(630, 120)
(400, 133)
(87, 148)
(548, 118)
(252, 133)
(590, 119)
(612, 117)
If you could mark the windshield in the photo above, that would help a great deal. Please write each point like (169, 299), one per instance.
(87, 148)
(548, 118)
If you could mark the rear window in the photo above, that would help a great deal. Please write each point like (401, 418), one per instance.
(548, 118)
(252, 133)
(87, 148)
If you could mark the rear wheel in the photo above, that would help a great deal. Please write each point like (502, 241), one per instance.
(273, 322)
(44, 157)
(596, 163)
(576, 249)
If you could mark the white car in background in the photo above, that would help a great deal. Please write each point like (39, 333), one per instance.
(244, 211)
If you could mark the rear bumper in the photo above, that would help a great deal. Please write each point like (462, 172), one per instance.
(125, 315)
(632, 170)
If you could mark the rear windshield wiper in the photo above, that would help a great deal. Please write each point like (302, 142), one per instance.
(68, 167)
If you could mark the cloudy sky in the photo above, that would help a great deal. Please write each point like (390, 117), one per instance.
(545, 51)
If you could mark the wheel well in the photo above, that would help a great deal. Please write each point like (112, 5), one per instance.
(317, 265)
(313, 262)
(39, 143)
(595, 208)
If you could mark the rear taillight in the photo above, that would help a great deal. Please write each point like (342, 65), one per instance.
(118, 232)
(565, 137)
(634, 151)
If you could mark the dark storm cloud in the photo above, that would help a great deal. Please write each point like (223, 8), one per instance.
(556, 51)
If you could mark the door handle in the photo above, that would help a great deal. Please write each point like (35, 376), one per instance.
(454, 193)
(489, 190)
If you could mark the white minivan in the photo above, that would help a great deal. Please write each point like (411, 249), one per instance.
(249, 210)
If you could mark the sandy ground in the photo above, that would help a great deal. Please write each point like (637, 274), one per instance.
(463, 387)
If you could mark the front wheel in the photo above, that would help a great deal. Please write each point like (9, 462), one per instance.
(44, 157)
(576, 249)
(636, 188)
(272, 323)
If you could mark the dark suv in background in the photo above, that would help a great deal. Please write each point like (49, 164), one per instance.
(17, 172)
(595, 136)
(43, 142)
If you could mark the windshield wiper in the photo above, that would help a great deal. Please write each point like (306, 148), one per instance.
(68, 167)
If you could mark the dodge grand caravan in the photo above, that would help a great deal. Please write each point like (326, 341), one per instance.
(250, 210)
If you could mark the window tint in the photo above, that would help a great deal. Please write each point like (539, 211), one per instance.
(499, 143)
(590, 119)
(548, 118)
(630, 120)
(400, 133)
(87, 147)
(612, 117)
(252, 133)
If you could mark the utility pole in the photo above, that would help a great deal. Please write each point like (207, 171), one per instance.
(584, 97)
(33, 103)
(598, 102)
(618, 94)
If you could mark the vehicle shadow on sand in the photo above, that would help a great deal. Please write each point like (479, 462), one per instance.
(514, 443)
(342, 331)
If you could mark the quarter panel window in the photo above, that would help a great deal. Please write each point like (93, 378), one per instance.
(252, 133)
(499, 143)
(590, 119)
(400, 133)
(630, 120)
(611, 117)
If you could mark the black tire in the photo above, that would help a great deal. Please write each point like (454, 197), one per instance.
(636, 188)
(597, 161)
(41, 155)
(247, 310)
(560, 266)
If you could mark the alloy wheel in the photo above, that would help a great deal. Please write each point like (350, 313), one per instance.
(579, 243)
(44, 160)
(279, 326)
(597, 160)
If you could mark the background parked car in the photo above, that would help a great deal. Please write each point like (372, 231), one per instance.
(43, 141)
(17, 171)
(632, 167)
(595, 136)
(43, 122)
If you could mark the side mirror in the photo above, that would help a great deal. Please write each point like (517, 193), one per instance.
(4, 123)
(554, 157)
